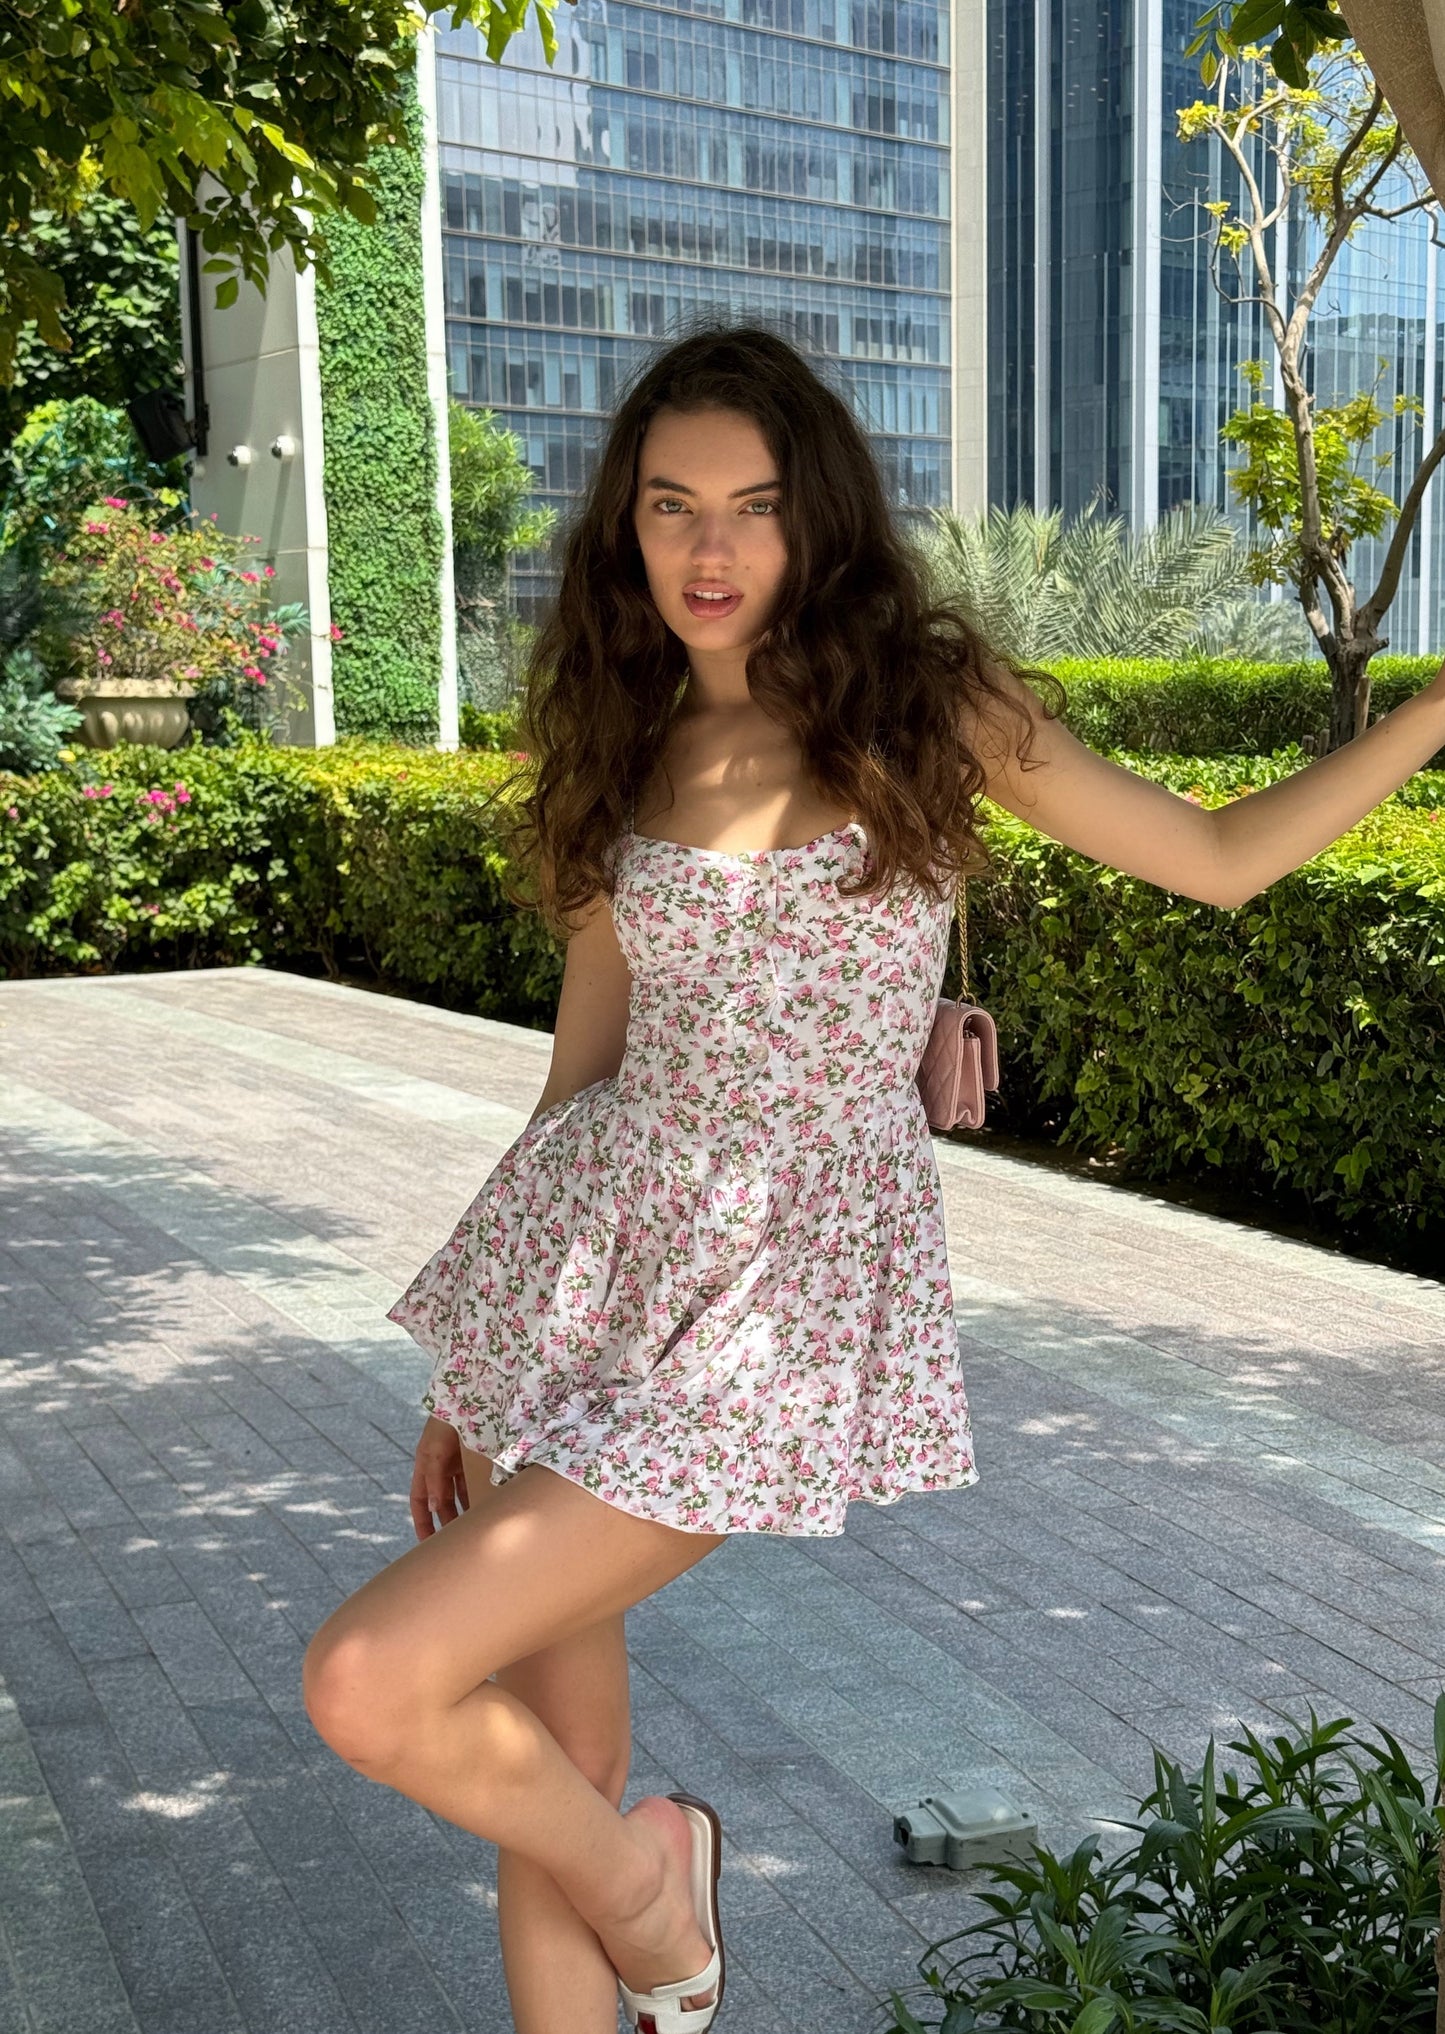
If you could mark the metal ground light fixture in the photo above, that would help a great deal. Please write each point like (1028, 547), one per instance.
(975, 1826)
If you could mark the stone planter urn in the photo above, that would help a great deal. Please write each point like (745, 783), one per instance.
(150, 710)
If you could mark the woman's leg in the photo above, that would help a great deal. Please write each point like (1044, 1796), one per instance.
(397, 1683)
(558, 1976)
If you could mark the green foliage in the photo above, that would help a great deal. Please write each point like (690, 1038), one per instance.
(384, 532)
(34, 724)
(1267, 478)
(1095, 588)
(481, 729)
(1219, 777)
(66, 456)
(122, 311)
(365, 858)
(1291, 31)
(279, 102)
(1295, 1892)
(1217, 706)
(1291, 1044)
(179, 606)
(490, 484)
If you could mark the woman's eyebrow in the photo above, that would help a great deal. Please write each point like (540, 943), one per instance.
(676, 487)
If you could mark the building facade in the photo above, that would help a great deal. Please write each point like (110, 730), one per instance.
(1114, 361)
(784, 159)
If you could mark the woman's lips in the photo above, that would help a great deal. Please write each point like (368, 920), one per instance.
(714, 609)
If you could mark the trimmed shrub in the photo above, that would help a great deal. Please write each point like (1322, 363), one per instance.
(1219, 705)
(1298, 1042)
(362, 858)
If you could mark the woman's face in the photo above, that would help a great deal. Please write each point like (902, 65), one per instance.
(709, 521)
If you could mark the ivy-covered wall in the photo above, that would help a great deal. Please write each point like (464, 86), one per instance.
(384, 533)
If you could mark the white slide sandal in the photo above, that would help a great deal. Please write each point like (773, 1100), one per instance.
(662, 2008)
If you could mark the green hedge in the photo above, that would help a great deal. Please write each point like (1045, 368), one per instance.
(365, 858)
(384, 532)
(1218, 705)
(1297, 1043)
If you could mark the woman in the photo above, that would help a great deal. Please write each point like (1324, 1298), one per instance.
(707, 1287)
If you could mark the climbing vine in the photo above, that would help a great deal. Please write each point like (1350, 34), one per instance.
(384, 532)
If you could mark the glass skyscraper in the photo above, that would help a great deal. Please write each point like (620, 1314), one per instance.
(786, 159)
(1113, 360)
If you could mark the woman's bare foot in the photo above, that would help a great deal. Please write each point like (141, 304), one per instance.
(663, 1942)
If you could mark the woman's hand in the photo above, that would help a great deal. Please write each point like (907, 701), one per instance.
(438, 1478)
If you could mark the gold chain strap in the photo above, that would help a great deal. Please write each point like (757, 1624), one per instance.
(960, 915)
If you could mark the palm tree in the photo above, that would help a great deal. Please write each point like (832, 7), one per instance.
(1041, 591)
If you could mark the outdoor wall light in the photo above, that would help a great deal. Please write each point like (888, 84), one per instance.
(283, 448)
(239, 455)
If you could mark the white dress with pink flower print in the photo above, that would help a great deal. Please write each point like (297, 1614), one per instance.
(713, 1287)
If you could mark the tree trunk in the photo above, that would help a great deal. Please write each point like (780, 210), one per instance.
(1349, 663)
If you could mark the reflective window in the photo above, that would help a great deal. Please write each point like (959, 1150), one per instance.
(779, 159)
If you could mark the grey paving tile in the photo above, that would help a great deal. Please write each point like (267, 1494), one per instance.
(1211, 1493)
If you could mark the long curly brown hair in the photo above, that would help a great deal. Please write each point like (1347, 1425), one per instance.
(862, 661)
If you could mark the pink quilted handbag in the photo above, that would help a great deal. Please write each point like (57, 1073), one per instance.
(960, 1059)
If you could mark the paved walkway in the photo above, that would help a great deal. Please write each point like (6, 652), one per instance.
(1210, 1496)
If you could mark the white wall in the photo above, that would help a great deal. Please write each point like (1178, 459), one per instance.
(259, 361)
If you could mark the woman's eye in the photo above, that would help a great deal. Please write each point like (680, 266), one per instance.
(670, 503)
(762, 503)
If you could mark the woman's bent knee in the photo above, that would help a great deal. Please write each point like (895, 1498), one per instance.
(347, 1699)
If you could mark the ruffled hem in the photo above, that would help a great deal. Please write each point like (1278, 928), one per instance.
(734, 1337)
(591, 1473)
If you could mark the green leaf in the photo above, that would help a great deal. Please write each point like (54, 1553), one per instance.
(1100, 2016)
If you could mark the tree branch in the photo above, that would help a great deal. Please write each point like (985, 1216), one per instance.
(1377, 606)
(1352, 146)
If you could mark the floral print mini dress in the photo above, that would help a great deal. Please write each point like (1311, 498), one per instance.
(713, 1288)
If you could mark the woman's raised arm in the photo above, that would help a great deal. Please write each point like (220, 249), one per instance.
(1224, 856)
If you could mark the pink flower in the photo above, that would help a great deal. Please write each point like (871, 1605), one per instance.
(270, 571)
(183, 796)
(260, 680)
(208, 564)
(104, 657)
(106, 790)
(157, 536)
(96, 529)
(13, 810)
(335, 633)
(115, 501)
(251, 578)
(251, 670)
(90, 792)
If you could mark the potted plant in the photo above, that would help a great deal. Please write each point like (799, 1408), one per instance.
(176, 613)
